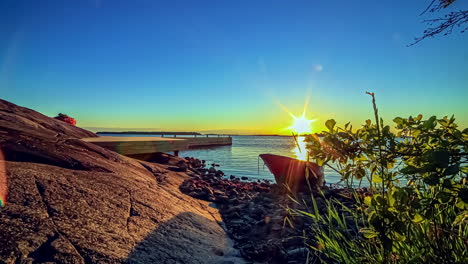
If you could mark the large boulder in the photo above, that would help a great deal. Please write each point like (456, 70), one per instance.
(70, 201)
(14, 118)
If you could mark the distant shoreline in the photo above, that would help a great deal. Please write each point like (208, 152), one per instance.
(150, 133)
(185, 133)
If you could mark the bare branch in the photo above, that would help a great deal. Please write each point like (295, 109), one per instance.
(445, 25)
(428, 8)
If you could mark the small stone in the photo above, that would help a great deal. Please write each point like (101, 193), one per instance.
(297, 253)
(258, 213)
(267, 200)
(218, 192)
(222, 199)
(207, 190)
(292, 242)
(234, 201)
(276, 227)
(176, 169)
(182, 165)
(233, 193)
(218, 252)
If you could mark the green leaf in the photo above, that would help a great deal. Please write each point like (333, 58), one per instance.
(368, 233)
(418, 218)
(391, 200)
(409, 170)
(376, 179)
(399, 237)
(398, 120)
(416, 133)
(330, 124)
(460, 218)
(464, 169)
(367, 200)
(319, 161)
(362, 158)
(430, 123)
(461, 204)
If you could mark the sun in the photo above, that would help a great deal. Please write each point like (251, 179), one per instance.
(301, 125)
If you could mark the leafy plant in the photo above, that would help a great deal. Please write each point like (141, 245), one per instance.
(415, 208)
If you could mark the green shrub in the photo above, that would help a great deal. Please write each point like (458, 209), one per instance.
(416, 207)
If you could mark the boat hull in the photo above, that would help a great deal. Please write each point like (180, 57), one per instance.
(292, 173)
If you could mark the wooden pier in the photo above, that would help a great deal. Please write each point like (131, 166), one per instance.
(147, 145)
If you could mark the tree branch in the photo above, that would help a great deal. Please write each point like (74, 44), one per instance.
(444, 24)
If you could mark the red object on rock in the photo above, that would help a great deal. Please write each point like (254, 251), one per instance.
(66, 118)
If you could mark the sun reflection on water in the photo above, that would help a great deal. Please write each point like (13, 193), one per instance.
(299, 150)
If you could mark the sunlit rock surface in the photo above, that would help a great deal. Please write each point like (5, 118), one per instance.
(73, 202)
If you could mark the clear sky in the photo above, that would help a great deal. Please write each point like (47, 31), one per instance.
(227, 65)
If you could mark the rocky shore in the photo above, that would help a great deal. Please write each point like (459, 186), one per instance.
(257, 214)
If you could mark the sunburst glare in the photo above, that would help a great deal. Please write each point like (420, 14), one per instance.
(301, 125)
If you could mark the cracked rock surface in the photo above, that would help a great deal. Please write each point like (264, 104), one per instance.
(70, 201)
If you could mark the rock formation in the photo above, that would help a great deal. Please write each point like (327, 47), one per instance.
(73, 202)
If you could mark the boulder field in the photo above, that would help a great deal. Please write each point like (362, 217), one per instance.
(70, 201)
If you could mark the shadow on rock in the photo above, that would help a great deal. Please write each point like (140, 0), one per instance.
(174, 242)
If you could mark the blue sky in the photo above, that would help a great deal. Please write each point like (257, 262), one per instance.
(215, 65)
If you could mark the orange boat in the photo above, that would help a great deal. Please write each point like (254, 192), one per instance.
(292, 172)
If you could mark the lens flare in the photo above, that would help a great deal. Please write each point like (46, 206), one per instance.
(3, 180)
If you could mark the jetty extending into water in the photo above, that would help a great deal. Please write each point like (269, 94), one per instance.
(148, 145)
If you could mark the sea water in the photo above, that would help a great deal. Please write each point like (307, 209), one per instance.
(241, 158)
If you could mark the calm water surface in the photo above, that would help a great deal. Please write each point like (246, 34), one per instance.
(241, 158)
